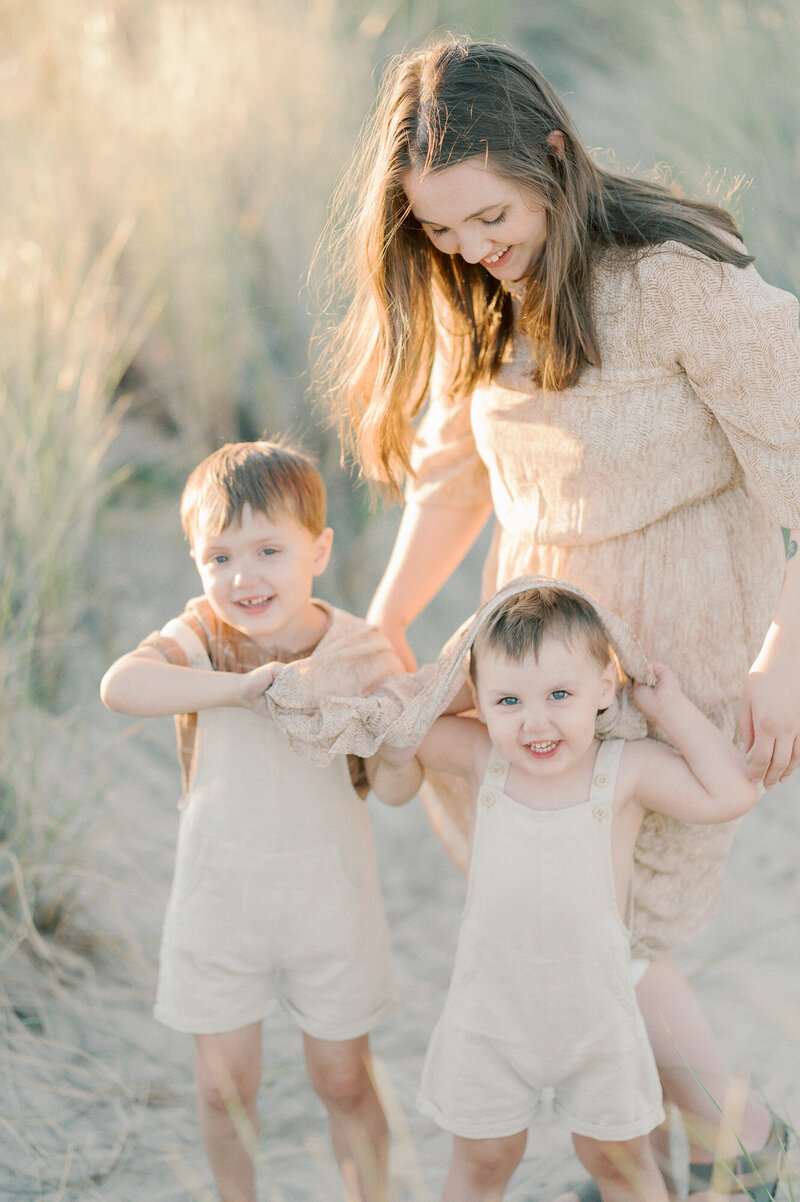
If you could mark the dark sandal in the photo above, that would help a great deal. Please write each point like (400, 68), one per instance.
(753, 1173)
(756, 1173)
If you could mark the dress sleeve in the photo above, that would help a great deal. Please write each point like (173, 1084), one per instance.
(737, 339)
(448, 471)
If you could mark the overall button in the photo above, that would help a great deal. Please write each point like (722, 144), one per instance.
(496, 769)
(488, 799)
(599, 812)
(600, 780)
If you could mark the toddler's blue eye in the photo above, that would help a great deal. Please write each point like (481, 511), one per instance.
(220, 559)
(267, 550)
(559, 694)
(508, 701)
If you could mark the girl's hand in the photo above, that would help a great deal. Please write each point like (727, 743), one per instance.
(652, 700)
(397, 637)
(769, 718)
(253, 686)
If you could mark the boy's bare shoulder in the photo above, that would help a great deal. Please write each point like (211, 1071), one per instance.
(639, 757)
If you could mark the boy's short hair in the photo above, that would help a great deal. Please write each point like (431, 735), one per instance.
(518, 626)
(270, 477)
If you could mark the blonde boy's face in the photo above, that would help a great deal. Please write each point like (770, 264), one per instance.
(541, 714)
(258, 576)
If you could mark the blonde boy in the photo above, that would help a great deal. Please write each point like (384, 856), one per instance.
(275, 889)
(542, 995)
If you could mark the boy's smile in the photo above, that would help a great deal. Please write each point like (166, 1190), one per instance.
(541, 714)
(258, 576)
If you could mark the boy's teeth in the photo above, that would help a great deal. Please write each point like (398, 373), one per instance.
(543, 746)
(495, 257)
(254, 601)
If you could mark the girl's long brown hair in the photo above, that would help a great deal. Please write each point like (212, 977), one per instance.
(438, 107)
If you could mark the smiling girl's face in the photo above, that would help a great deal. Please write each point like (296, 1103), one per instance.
(471, 211)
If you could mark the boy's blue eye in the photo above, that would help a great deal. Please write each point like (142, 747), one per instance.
(220, 559)
(508, 701)
(559, 694)
(268, 550)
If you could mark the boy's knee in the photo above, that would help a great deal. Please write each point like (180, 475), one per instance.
(616, 1162)
(491, 1160)
(342, 1083)
(222, 1081)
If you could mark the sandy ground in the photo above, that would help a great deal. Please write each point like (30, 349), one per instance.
(97, 1101)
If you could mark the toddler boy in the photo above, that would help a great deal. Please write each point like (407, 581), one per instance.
(275, 889)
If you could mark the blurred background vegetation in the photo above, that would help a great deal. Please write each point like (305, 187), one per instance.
(166, 168)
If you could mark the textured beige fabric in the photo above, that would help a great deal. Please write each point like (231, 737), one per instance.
(657, 484)
(198, 636)
(320, 721)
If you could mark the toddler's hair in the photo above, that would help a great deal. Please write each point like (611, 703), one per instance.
(270, 477)
(518, 626)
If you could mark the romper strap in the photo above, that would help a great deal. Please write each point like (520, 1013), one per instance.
(497, 767)
(606, 766)
(189, 643)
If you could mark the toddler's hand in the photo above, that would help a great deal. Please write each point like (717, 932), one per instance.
(395, 757)
(254, 684)
(652, 699)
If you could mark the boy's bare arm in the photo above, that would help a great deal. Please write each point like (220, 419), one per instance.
(143, 683)
(452, 744)
(708, 781)
(394, 776)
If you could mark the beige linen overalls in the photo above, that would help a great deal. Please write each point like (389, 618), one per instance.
(541, 996)
(275, 889)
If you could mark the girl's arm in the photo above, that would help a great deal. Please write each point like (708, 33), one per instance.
(430, 544)
(144, 683)
(769, 718)
(707, 780)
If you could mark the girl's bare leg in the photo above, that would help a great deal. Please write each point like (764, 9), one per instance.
(481, 1168)
(228, 1074)
(339, 1071)
(625, 1170)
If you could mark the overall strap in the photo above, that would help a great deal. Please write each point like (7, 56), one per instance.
(189, 643)
(497, 767)
(606, 766)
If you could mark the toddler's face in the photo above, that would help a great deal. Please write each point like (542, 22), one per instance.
(541, 714)
(258, 575)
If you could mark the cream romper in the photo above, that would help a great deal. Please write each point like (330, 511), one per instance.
(541, 996)
(275, 891)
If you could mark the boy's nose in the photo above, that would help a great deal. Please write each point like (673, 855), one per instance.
(534, 722)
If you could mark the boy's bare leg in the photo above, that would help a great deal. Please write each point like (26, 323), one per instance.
(228, 1073)
(481, 1168)
(339, 1071)
(690, 1063)
(625, 1170)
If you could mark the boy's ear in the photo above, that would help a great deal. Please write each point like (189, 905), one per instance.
(475, 701)
(608, 685)
(322, 551)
